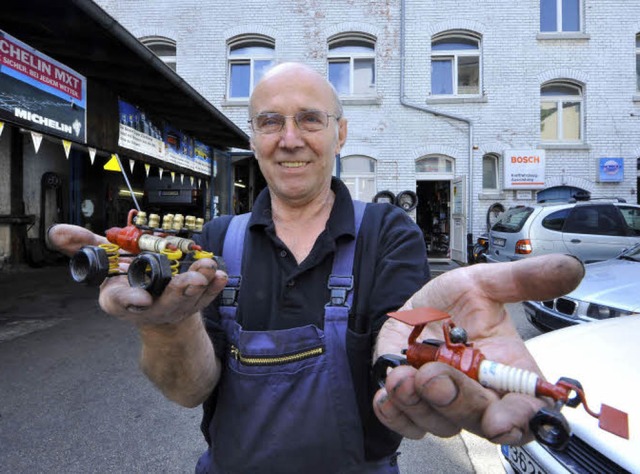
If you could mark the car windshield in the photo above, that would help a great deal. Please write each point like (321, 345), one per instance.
(513, 219)
(631, 254)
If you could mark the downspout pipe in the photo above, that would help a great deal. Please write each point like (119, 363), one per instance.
(436, 113)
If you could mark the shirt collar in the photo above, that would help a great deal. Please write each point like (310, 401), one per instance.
(340, 221)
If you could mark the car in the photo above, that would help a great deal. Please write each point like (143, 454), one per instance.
(609, 289)
(592, 230)
(603, 357)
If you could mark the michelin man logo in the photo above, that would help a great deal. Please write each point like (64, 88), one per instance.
(76, 127)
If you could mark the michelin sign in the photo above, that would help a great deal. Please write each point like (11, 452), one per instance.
(41, 93)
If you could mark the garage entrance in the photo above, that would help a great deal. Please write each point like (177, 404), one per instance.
(433, 216)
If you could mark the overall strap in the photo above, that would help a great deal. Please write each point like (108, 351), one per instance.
(232, 255)
(341, 278)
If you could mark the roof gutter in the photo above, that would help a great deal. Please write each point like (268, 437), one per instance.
(435, 113)
(122, 34)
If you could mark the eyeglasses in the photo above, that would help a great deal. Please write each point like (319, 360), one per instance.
(305, 120)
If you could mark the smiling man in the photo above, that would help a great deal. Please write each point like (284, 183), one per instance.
(279, 348)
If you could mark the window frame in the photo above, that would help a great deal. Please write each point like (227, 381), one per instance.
(358, 176)
(152, 42)
(496, 169)
(238, 59)
(558, 13)
(559, 100)
(358, 40)
(453, 56)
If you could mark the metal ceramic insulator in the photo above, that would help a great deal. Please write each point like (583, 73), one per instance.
(152, 243)
(154, 221)
(178, 222)
(190, 222)
(141, 218)
(167, 221)
(185, 245)
(199, 224)
(510, 379)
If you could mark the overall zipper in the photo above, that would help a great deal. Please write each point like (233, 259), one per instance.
(275, 360)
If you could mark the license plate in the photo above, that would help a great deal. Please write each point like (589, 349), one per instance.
(498, 241)
(520, 460)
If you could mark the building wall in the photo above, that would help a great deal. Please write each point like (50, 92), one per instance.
(515, 63)
(5, 193)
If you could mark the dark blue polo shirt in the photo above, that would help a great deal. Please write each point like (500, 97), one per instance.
(277, 293)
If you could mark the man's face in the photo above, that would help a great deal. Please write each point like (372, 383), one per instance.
(297, 164)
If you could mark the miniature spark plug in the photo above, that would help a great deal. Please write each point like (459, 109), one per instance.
(549, 425)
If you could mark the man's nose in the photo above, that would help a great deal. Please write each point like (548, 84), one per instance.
(290, 133)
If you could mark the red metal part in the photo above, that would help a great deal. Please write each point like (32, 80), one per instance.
(467, 359)
(127, 238)
(458, 355)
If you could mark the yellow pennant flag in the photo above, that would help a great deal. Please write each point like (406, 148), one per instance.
(112, 164)
(1, 127)
(147, 167)
(67, 147)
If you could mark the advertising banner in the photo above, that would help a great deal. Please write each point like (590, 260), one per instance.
(524, 169)
(40, 93)
(138, 132)
(610, 170)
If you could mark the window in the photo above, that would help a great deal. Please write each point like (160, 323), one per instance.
(249, 59)
(359, 175)
(559, 15)
(489, 173)
(352, 65)
(638, 62)
(435, 164)
(555, 220)
(164, 48)
(595, 220)
(455, 64)
(631, 217)
(561, 112)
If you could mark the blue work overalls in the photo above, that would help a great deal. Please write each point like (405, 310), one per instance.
(286, 402)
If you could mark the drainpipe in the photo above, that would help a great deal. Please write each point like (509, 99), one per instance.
(436, 113)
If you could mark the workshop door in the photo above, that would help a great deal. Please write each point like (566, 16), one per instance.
(459, 219)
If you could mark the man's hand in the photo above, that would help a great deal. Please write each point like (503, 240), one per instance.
(187, 293)
(68, 239)
(441, 400)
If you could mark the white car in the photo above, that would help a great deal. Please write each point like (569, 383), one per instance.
(603, 356)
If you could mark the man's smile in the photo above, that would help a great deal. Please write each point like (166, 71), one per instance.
(293, 164)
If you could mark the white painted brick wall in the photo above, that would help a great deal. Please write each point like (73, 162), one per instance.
(515, 63)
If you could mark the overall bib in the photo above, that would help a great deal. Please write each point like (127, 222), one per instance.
(286, 402)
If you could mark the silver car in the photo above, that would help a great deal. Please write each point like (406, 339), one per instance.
(609, 289)
(590, 230)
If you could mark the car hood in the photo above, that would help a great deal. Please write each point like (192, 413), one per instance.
(614, 283)
(603, 356)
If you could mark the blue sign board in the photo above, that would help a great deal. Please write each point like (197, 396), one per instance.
(610, 170)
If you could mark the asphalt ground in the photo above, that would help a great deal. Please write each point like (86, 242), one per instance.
(73, 399)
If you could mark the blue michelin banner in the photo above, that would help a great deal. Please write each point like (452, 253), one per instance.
(40, 93)
(151, 137)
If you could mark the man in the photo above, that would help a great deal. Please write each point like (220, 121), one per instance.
(286, 385)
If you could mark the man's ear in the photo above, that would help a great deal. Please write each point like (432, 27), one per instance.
(342, 134)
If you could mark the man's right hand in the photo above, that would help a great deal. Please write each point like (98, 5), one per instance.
(68, 239)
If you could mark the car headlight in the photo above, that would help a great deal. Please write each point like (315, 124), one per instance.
(597, 311)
